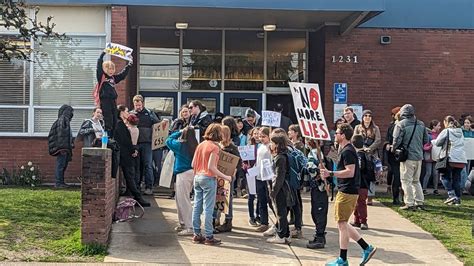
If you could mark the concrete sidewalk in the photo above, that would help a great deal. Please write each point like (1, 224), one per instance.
(152, 240)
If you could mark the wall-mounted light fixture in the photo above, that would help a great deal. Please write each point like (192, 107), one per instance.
(385, 40)
(181, 25)
(269, 27)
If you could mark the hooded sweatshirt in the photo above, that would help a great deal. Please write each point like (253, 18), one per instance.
(403, 131)
(60, 135)
(456, 151)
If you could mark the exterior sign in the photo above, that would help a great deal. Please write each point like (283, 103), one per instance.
(340, 92)
(309, 110)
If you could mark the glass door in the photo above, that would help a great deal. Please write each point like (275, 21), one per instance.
(163, 104)
(210, 100)
(235, 104)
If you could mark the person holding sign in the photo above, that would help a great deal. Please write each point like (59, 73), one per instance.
(105, 95)
(183, 143)
(204, 164)
(263, 154)
(348, 182)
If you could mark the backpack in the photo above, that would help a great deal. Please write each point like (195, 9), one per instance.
(297, 162)
(126, 211)
(370, 166)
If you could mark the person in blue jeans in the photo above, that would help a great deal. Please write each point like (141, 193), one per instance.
(205, 184)
(61, 143)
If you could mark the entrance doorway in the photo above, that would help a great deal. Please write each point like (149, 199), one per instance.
(286, 100)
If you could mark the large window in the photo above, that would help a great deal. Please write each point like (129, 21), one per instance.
(63, 73)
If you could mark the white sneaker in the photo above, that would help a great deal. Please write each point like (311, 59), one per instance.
(276, 240)
(148, 191)
(270, 231)
(186, 232)
(449, 200)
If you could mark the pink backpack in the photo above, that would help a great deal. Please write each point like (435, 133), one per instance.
(126, 211)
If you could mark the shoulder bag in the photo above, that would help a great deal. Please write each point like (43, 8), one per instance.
(401, 153)
(442, 164)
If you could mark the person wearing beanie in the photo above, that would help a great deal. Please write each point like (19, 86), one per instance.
(410, 133)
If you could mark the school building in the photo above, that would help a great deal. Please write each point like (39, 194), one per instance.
(375, 54)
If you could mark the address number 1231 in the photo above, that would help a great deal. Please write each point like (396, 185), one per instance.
(345, 59)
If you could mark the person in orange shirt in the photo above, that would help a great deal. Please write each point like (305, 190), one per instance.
(205, 184)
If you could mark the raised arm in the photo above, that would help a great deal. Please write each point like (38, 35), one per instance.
(100, 71)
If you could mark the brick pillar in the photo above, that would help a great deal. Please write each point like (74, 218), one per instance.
(99, 191)
(120, 36)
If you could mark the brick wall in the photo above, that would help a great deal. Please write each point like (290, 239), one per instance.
(99, 194)
(431, 69)
(120, 36)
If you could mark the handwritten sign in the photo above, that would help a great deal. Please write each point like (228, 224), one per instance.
(309, 110)
(227, 163)
(247, 153)
(222, 196)
(271, 119)
(266, 170)
(119, 50)
(160, 133)
(251, 183)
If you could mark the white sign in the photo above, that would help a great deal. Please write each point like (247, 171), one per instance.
(197, 134)
(247, 153)
(469, 148)
(119, 50)
(309, 110)
(272, 119)
(338, 111)
(251, 174)
(266, 170)
(237, 111)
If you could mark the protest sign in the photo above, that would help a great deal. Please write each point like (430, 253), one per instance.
(166, 176)
(469, 148)
(266, 170)
(251, 183)
(309, 110)
(247, 153)
(160, 133)
(271, 119)
(227, 163)
(223, 195)
(197, 134)
(118, 50)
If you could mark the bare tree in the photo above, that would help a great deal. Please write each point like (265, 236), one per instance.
(14, 16)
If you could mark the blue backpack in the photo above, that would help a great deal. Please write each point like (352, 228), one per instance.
(297, 162)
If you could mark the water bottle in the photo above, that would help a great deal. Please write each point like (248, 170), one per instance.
(105, 140)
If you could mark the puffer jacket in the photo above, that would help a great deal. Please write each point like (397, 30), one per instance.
(456, 151)
(201, 122)
(146, 120)
(60, 134)
(403, 130)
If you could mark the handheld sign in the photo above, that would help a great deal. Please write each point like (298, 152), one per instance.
(118, 50)
(247, 153)
(266, 170)
(227, 163)
(469, 148)
(160, 133)
(223, 196)
(271, 119)
(251, 183)
(309, 110)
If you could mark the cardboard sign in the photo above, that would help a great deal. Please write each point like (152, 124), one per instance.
(227, 163)
(223, 196)
(247, 153)
(160, 134)
(251, 181)
(309, 110)
(266, 170)
(271, 119)
(469, 148)
(119, 50)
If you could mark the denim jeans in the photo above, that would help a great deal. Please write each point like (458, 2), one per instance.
(251, 206)
(147, 159)
(430, 171)
(157, 158)
(61, 165)
(205, 189)
(464, 176)
(452, 181)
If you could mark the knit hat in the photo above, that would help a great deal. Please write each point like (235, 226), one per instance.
(366, 112)
(396, 110)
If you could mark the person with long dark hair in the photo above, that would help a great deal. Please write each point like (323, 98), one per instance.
(430, 170)
(183, 143)
(127, 153)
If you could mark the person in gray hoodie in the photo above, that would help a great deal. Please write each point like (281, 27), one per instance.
(410, 169)
(451, 178)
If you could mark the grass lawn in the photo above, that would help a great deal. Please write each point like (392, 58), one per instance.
(43, 225)
(451, 225)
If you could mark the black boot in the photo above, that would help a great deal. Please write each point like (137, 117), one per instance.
(226, 227)
(318, 242)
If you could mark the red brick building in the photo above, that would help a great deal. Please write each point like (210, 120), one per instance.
(388, 52)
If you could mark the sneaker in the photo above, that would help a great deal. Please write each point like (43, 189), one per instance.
(317, 243)
(407, 208)
(212, 241)
(262, 228)
(425, 192)
(435, 192)
(148, 191)
(198, 239)
(457, 202)
(252, 222)
(396, 202)
(63, 185)
(364, 226)
(276, 240)
(338, 262)
(270, 231)
(421, 207)
(296, 233)
(179, 228)
(449, 200)
(186, 232)
(355, 224)
(257, 220)
(367, 254)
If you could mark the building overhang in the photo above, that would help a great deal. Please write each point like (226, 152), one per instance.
(298, 14)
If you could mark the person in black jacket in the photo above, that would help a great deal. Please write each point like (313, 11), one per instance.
(393, 175)
(91, 129)
(127, 153)
(285, 121)
(61, 142)
(200, 118)
(105, 95)
(182, 121)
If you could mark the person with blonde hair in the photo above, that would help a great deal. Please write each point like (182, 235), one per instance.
(105, 95)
